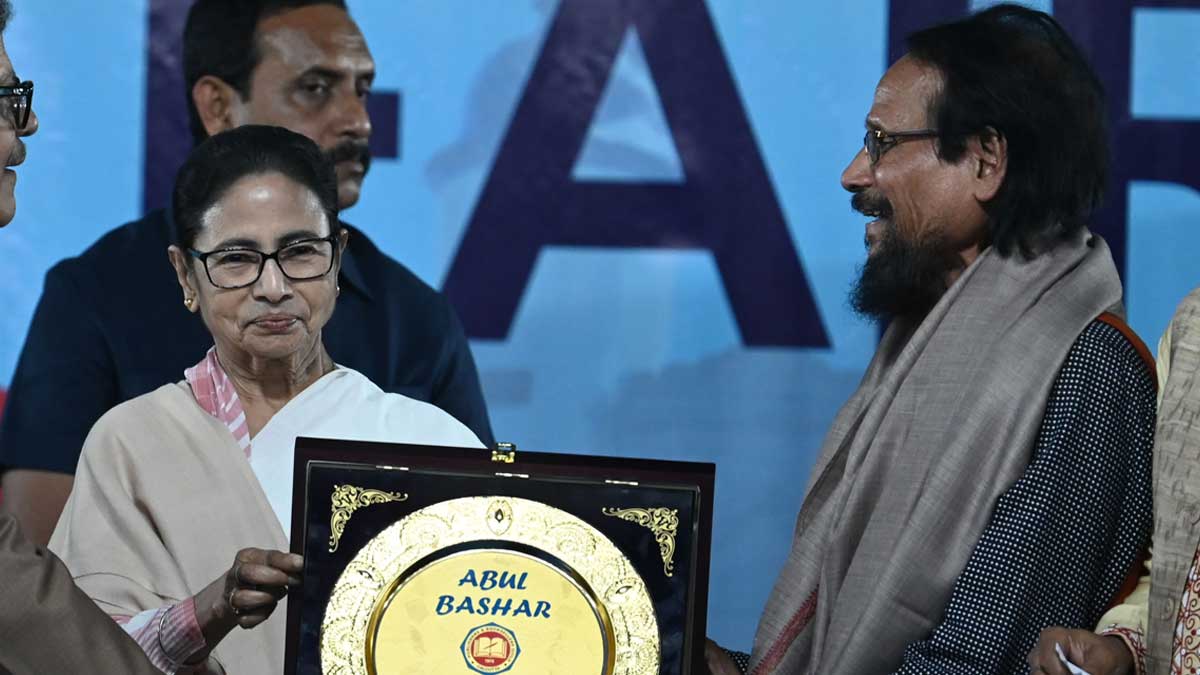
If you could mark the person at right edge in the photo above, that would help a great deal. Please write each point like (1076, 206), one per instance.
(1156, 629)
(109, 326)
(991, 476)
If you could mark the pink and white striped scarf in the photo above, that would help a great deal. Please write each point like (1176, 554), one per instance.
(215, 393)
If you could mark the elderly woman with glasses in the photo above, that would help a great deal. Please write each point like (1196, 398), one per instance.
(178, 521)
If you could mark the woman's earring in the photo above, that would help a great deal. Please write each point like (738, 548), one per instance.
(337, 290)
(187, 302)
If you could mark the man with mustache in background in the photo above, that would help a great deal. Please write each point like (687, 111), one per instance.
(110, 326)
(991, 474)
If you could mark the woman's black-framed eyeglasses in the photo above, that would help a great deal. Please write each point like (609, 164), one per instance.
(877, 141)
(302, 260)
(18, 103)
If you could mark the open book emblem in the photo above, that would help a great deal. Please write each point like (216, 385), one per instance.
(490, 649)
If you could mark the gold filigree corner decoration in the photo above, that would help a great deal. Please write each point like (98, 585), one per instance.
(346, 500)
(663, 522)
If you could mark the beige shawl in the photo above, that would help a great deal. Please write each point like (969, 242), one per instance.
(1176, 484)
(163, 500)
(164, 497)
(943, 422)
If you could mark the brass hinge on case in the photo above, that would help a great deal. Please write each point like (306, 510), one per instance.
(505, 453)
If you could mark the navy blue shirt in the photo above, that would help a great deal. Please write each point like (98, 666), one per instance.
(111, 325)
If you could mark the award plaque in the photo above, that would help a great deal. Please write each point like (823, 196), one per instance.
(425, 560)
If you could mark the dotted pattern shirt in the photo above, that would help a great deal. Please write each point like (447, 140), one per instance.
(1067, 533)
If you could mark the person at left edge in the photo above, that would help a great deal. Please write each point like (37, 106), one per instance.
(109, 326)
(47, 624)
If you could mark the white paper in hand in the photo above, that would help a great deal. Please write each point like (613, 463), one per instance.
(1075, 670)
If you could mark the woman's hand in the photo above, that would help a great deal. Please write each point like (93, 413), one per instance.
(1097, 654)
(247, 593)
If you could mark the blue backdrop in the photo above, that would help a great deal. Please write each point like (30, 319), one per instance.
(634, 205)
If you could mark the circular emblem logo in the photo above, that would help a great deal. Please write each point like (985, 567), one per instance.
(490, 648)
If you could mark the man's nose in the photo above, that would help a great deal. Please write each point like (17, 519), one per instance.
(353, 119)
(31, 126)
(857, 176)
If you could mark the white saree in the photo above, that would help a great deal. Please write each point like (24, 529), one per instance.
(344, 404)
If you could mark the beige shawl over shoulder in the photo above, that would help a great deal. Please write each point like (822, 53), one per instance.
(163, 500)
(1176, 483)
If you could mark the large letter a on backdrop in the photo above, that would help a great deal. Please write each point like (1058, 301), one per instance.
(726, 203)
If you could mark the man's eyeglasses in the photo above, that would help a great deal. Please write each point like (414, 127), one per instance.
(302, 260)
(17, 104)
(877, 141)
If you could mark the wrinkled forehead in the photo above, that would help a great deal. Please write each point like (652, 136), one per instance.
(315, 36)
(262, 211)
(903, 95)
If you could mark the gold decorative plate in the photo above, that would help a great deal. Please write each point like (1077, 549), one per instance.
(490, 585)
